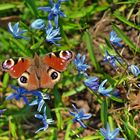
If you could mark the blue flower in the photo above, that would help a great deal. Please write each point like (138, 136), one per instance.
(40, 100)
(52, 34)
(112, 59)
(92, 83)
(20, 92)
(79, 116)
(102, 90)
(134, 70)
(44, 120)
(108, 135)
(1, 111)
(15, 31)
(114, 39)
(54, 11)
(80, 65)
(38, 24)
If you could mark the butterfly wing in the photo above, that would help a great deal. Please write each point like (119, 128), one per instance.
(58, 60)
(15, 67)
(55, 63)
(21, 68)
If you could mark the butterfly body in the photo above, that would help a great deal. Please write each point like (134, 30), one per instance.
(38, 72)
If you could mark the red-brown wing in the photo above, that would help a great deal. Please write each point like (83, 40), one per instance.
(31, 82)
(16, 67)
(58, 60)
(49, 77)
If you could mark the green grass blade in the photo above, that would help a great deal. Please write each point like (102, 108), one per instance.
(87, 39)
(13, 127)
(58, 103)
(117, 99)
(6, 6)
(31, 4)
(104, 110)
(124, 20)
(68, 130)
(74, 91)
(125, 38)
(94, 137)
(5, 81)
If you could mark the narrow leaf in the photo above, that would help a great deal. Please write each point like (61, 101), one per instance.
(124, 20)
(125, 38)
(104, 110)
(87, 39)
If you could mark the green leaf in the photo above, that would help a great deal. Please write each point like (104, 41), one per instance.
(124, 20)
(58, 103)
(94, 137)
(86, 11)
(87, 39)
(31, 4)
(68, 130)
(38, 44)
(125, 38)
(74, 91)
(13, 128)
(5, 81)
(104, 110)
(130, 132)
(7, 6)
(117, 99)
(22, 50)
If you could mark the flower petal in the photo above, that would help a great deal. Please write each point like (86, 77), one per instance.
(38, 116)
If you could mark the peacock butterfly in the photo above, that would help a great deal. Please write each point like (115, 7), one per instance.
(38, 72)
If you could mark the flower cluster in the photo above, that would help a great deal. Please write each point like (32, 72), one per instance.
(52, 33)
(93, 84)
(21, 92)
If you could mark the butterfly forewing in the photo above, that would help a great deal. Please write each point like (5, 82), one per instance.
(15, 67)
(58, 60)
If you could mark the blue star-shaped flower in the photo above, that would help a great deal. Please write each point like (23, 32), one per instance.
(38, 24)
(20, 92)
(79, 62)
(15, 31)
(40, 100)
(102, 90)
(134, 70)
(1, 111)
(112, 59)
(52, 34)
(54, 11)
(92, 83)
(79, 116)
(108, 135)
(44, 120)
(114, 39)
